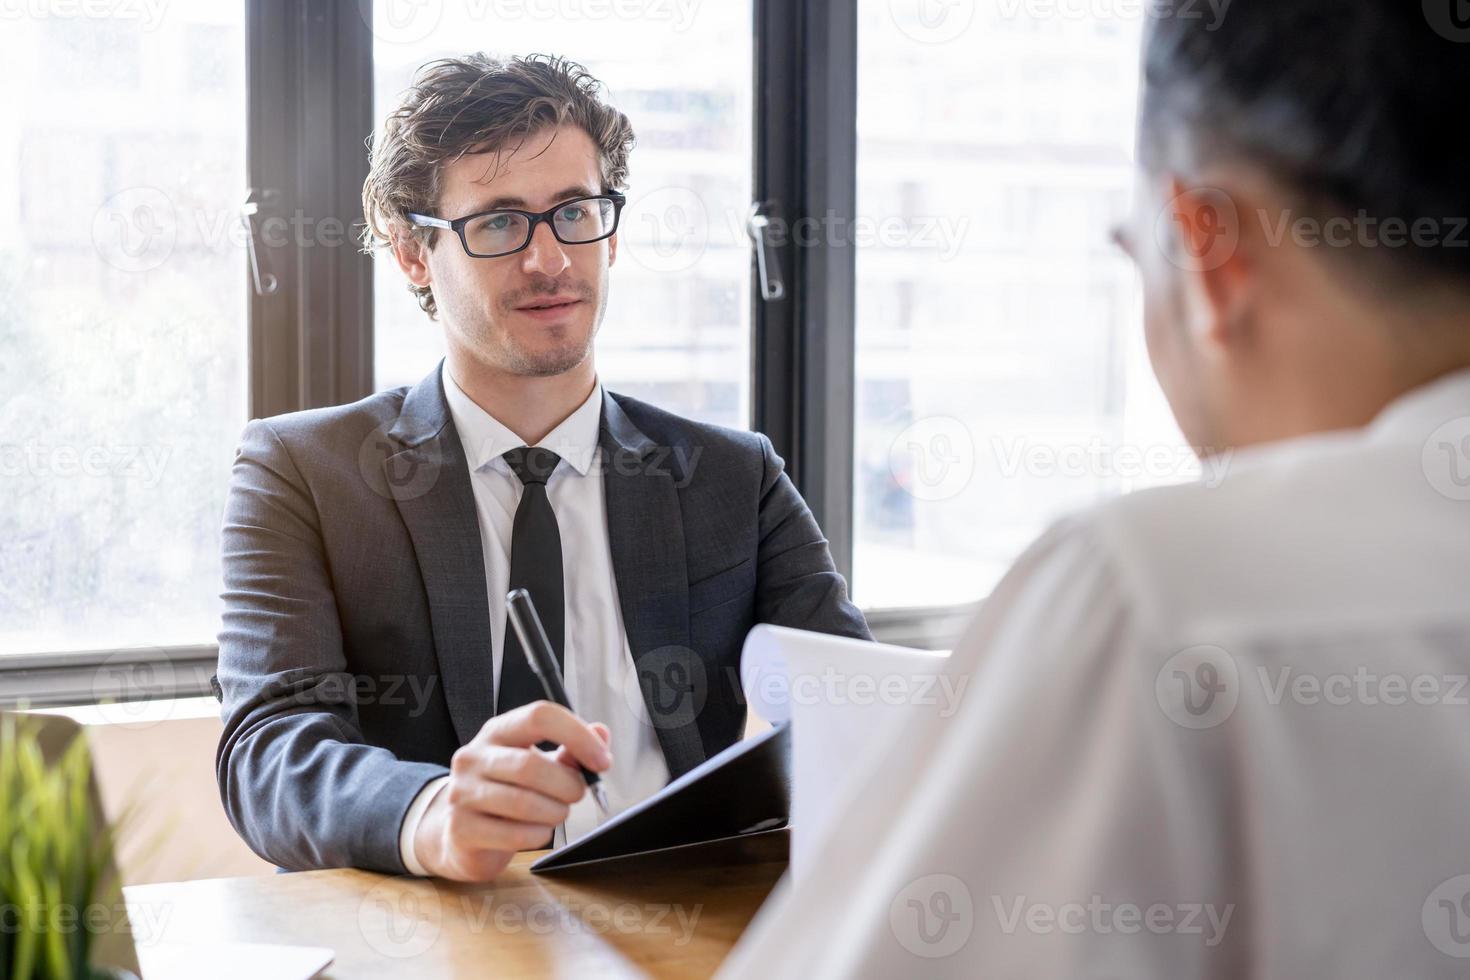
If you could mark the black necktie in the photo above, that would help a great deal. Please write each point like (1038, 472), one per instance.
(535, 565)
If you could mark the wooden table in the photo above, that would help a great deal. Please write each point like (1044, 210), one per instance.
(673, 914)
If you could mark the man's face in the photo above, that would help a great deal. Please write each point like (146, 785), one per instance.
(533, 313)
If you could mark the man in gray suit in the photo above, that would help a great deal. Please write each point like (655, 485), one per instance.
(377, 713)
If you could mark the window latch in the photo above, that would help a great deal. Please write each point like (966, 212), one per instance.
(758, 226)
(265, 282)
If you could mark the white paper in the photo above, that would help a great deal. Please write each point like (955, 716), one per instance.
(843, 698)
(232, 961)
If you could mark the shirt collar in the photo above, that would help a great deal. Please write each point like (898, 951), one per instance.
(1412, 416)
(486, 439)
(1420, 411)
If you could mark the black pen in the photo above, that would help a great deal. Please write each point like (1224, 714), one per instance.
(527, 624)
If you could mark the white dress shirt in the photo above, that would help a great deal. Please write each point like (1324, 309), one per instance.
(1208, 733)
(598, 664)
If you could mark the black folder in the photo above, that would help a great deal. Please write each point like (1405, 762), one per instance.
(746, 789)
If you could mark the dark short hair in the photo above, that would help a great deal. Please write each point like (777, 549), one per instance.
(1352, 106)
(473, 104)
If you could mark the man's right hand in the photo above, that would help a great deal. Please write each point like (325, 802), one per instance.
(505, 795)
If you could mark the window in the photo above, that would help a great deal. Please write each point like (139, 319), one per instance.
(1001, 379)
(676, 331)
(122, 320)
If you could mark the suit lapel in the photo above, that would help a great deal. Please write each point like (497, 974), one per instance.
(430, 482)
(646, 534)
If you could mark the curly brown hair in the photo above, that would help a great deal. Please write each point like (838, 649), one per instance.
(474, 104)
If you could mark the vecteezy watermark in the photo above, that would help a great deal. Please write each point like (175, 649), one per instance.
(133, 688)
(1103, 918)
(137, 229)
(410, 691)
(570, 915)
(1445, 916)
(666, 688)
(145, 464)
(933, 916)
(933, 459)
(666, 229)
(401, 918)
(1198, 687)
(1200, 229)
(1446, 459)
(1096, 457)
(1364, 230)
(942, 21)
(397, 471)
(411, 21)
(1212, 12)
(669, 229)
(1201, 687)
(1450, 19)
(93, 918)
(932, 21)
(941, 235)
(148, 14)
(404, 917)
(839, 688)
(1361, 686)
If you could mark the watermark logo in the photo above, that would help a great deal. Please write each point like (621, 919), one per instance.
(401, 21)
(933, 916)
(131, 688)
(933, 459)
(1446, 459)
(1198, 230)
(135, 230)
(1446, 916)
(932, 21)
(666, 688)
(401, 917)
(1449, 18)
(397, 473)
(666, 230)
(1199, 687)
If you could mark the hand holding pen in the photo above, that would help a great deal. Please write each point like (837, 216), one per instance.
(502, 794)
(527, 624)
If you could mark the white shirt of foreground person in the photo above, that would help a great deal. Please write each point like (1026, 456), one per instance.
(596, 654)
(1208, 732)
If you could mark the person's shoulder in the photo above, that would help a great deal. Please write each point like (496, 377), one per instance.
(330, 428)
(1268, 530)
(1246, 495)
(377, 407)
(666, 428)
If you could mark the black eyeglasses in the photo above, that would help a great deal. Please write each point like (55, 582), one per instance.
(505, 231)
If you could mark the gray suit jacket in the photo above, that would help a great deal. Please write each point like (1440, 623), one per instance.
(354, 655)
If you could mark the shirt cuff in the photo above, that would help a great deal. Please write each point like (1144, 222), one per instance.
(411, 820)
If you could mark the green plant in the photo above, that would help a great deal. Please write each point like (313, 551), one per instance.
(56, 889)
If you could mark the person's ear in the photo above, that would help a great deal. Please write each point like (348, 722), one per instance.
(412, 255)
(1216, 256)
(612, 249)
